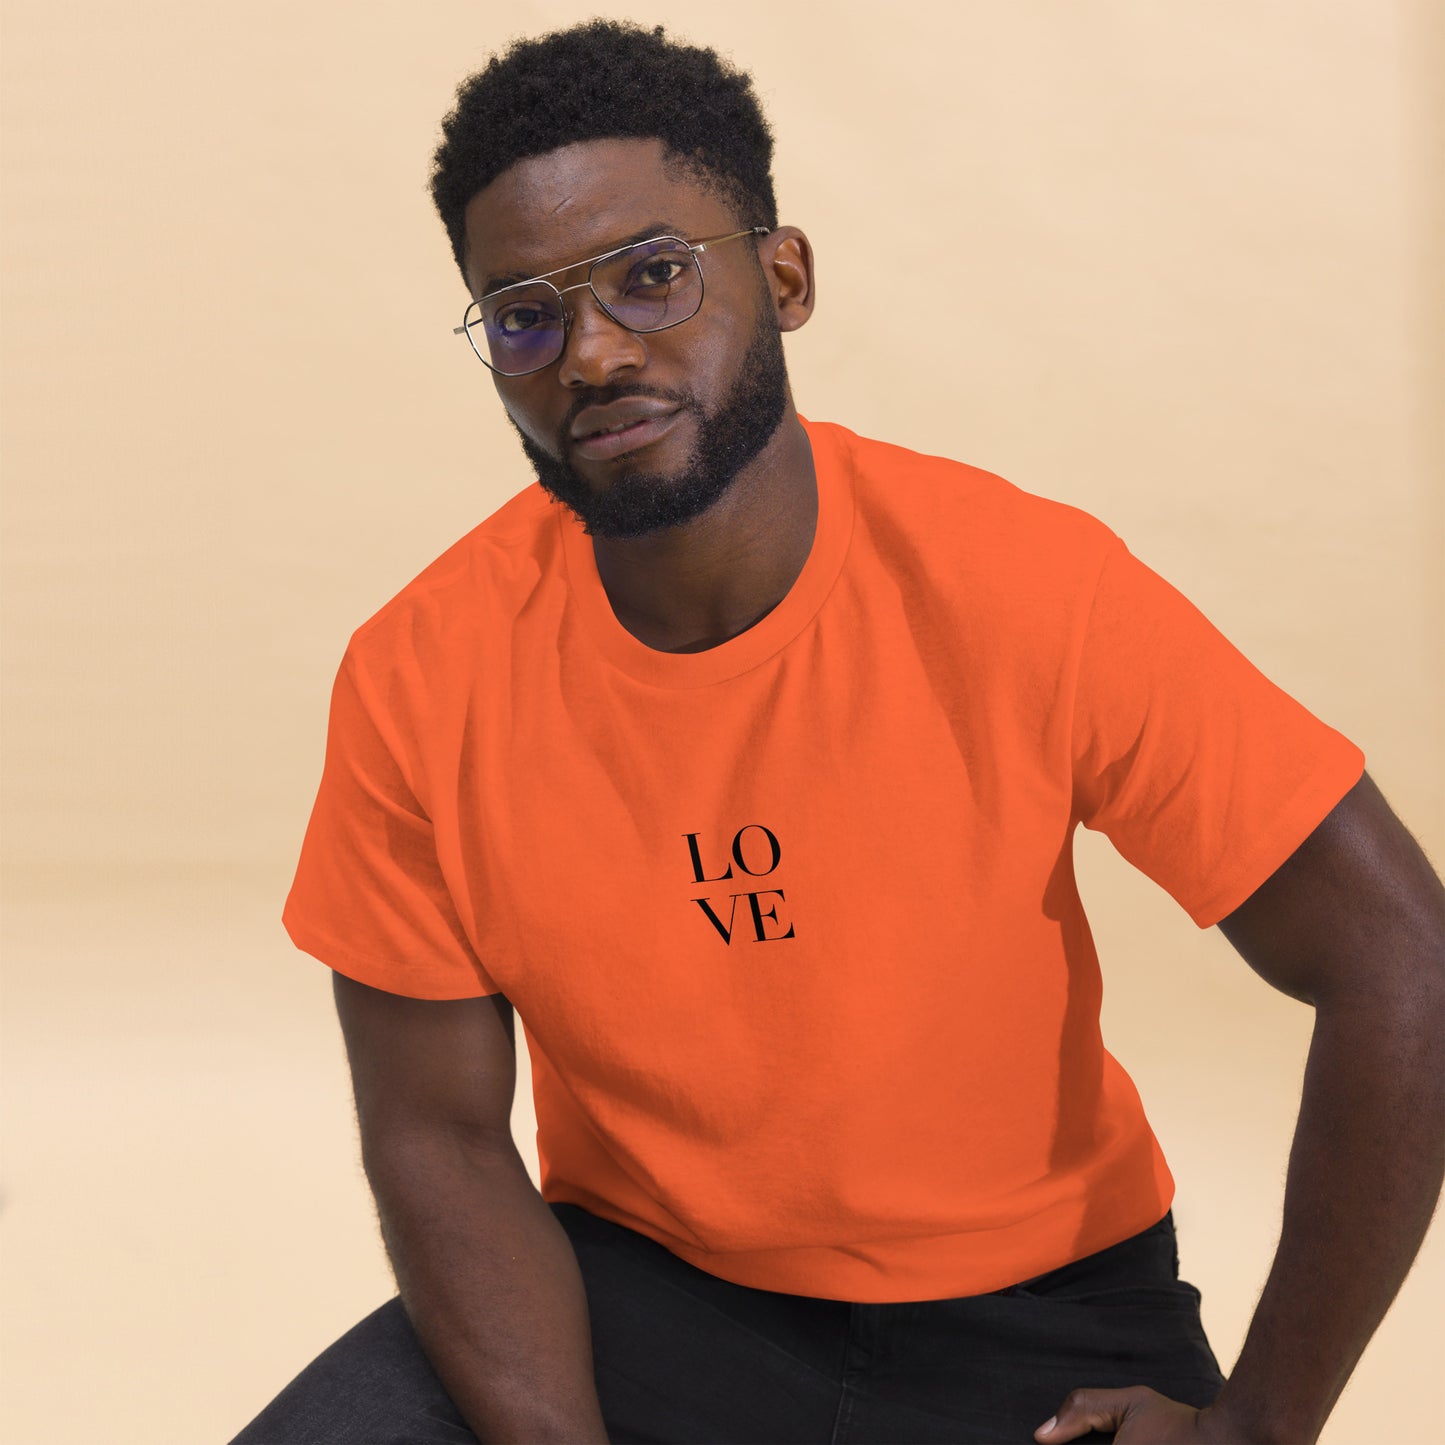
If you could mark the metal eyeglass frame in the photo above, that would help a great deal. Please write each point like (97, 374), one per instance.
(592, 262)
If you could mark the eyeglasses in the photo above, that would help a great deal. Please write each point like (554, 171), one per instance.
(647, 286)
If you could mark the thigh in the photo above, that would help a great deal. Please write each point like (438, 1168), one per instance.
(374, 1386)
(992, 1368)
(682, 1356)
(679, 1356)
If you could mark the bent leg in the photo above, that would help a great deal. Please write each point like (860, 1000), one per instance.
(992, 1368)
(680, 1357)
(685, 1358)
(374, 1386)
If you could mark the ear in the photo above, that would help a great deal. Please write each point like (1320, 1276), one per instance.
(787, 259)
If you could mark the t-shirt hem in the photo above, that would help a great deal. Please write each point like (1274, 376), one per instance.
(979, 1261)
(387, 977)
(1305, 811)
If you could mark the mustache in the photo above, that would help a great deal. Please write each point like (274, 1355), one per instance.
(606, 395)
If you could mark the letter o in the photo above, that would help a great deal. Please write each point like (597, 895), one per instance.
(772, 843)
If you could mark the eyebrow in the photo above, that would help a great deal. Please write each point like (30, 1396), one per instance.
(647, 233)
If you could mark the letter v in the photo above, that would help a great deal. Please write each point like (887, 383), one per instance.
(706, 906)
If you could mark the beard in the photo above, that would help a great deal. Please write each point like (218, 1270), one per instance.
(636, 501)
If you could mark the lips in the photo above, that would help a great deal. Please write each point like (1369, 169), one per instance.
(602, 432)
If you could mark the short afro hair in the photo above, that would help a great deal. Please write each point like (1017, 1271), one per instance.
(596, 81)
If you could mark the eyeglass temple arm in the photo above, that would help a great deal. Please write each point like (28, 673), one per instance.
(718, 240)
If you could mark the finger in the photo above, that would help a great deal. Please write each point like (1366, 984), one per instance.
(1085, 1410)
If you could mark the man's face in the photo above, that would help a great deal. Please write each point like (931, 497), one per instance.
(713, 389)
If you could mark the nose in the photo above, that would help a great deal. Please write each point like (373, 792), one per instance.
(597, 348)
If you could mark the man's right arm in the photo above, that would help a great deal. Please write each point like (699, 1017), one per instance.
(488, 1277)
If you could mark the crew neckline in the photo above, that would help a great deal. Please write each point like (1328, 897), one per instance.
(833, 472)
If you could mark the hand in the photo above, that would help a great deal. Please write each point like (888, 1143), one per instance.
(1139, 1416)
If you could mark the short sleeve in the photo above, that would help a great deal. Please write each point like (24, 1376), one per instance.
(1201, 772)
(369, 898)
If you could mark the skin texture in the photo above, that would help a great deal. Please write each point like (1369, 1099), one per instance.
(487, 1275)
(1353, 925)
(638, 499)
(689, 587)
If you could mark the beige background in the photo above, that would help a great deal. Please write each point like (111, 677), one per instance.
(1188, 261)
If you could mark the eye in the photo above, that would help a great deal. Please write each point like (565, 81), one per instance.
(521, 317)
(657, 271)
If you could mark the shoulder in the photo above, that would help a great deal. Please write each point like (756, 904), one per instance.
(486, 574)
(965, 523)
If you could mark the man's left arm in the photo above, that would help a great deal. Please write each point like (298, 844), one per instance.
(1354, 925)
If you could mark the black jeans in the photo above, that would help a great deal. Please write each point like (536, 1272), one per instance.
(683, 1356)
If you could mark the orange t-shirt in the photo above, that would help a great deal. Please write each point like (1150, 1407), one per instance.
(791, 924)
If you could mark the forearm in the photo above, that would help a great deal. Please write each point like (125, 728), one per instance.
(1365, 1172)
(491, 1284)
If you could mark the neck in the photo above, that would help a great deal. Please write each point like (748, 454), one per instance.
(688, 588)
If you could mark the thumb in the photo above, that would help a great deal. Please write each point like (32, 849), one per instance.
(1085, 1410)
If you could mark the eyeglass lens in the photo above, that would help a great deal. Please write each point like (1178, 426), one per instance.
(646, 287)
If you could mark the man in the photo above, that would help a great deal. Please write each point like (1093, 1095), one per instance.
(748, 775)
